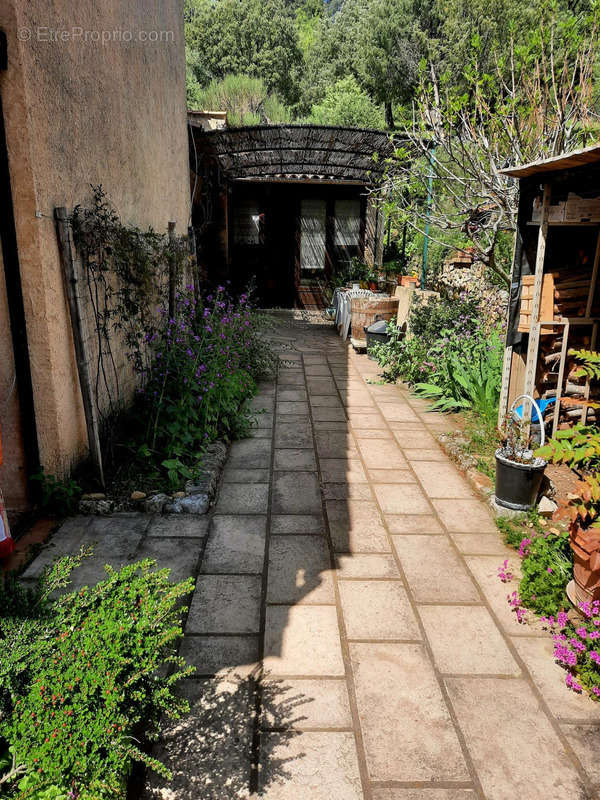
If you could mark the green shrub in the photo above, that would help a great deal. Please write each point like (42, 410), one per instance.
(79, 679)
(547, 568)
(58, 496)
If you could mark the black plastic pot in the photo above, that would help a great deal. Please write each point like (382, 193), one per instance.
(517, 485)
(376, 333)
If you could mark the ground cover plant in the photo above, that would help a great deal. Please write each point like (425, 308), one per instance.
(80, 686)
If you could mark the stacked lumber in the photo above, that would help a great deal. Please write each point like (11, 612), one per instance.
(573, 388)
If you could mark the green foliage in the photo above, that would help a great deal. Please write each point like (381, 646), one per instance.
(345, 103)
(257, 38)
(467, 373)
(547, 568)
(59, 496)
(577, 447)
(245, 99)
(79, 679)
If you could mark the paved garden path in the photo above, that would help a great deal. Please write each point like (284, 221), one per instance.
(351, 637)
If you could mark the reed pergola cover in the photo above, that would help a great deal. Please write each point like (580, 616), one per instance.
(297, 152)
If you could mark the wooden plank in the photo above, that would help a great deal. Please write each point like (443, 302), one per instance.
(65, 246)
(561, 374)
(594, 279)
(586, 393)
(534, 335)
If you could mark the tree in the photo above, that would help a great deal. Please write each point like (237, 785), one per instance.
(345, 103)
(254, 37)
(536, 102)
(245, 99)
(388, 54)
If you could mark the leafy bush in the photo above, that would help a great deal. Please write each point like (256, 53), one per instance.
(467, 373)
(79, 682)
(58, 496)
(577, 648)
(547, 561)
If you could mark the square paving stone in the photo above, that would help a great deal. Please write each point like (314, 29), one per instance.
(398, 412)
(415, 439)
(407, 728)
(514, 747)
(379, 454)
(250, 453)
(225, 604)
(66, 541)
(236, 545)
(295, 459)
(356, 527)
(481, 544)
(549, 677)
(368, 421)
(301, 703)
(299, 570)
(330, 425)
(465, 640)
(342, 470)
(293, 436)
(585, 741)
(116, 549)
(367, 565)
(264, 403)
(392, 476)
(335, 444)
(212, 655)
(179, 555)
(239, 498)
(178, 525)
(328, 414)
(325, 401)
(434, 570)
(413, 523)
(126, 525)
(377, 610)
(401, 499)
(314, 358)
(347, 491)
(441, 480)
(234, 475)
(318, 765)
(264, 421)
(208, 759)
(317, 369)
(302, 640)
(465, 516)
(292, 395)
(424, 794)
(414, 456)
(376, 434)
(292, 407)
(290, 378)
(297, 523)
(296, 493)
(321, 386)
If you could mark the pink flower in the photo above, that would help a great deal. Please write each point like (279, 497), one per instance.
(595, 656)
(524, 547)
(504, 573)
(572, 683)
(561, 619)
(581, 632)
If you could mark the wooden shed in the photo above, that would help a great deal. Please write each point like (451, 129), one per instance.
(285, 204)
(554, 298)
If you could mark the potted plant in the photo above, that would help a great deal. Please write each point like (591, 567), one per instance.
(519, 470)
(372, 281)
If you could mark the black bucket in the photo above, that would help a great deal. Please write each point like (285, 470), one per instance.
(517, 485)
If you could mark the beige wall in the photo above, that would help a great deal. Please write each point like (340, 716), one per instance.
(79, 113)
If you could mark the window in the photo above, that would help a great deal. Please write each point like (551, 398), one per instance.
(312, 236)
(247, 223)
(347, 223)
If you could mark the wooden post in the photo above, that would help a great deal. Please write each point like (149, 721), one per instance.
(561, 374)
(65, 244)
(172, 271)
(534, 333)
(594, 280)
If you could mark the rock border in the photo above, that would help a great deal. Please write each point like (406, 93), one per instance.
(196, 499)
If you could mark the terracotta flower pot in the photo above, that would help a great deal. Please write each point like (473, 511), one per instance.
(585, 545)
(409, 280)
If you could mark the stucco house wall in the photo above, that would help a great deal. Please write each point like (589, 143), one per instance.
(94, 93)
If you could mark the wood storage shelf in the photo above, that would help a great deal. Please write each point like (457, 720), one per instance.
(546, 303)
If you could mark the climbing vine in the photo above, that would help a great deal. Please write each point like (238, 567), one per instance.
(127, 274)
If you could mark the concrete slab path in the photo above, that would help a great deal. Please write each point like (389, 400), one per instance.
(350, 634)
